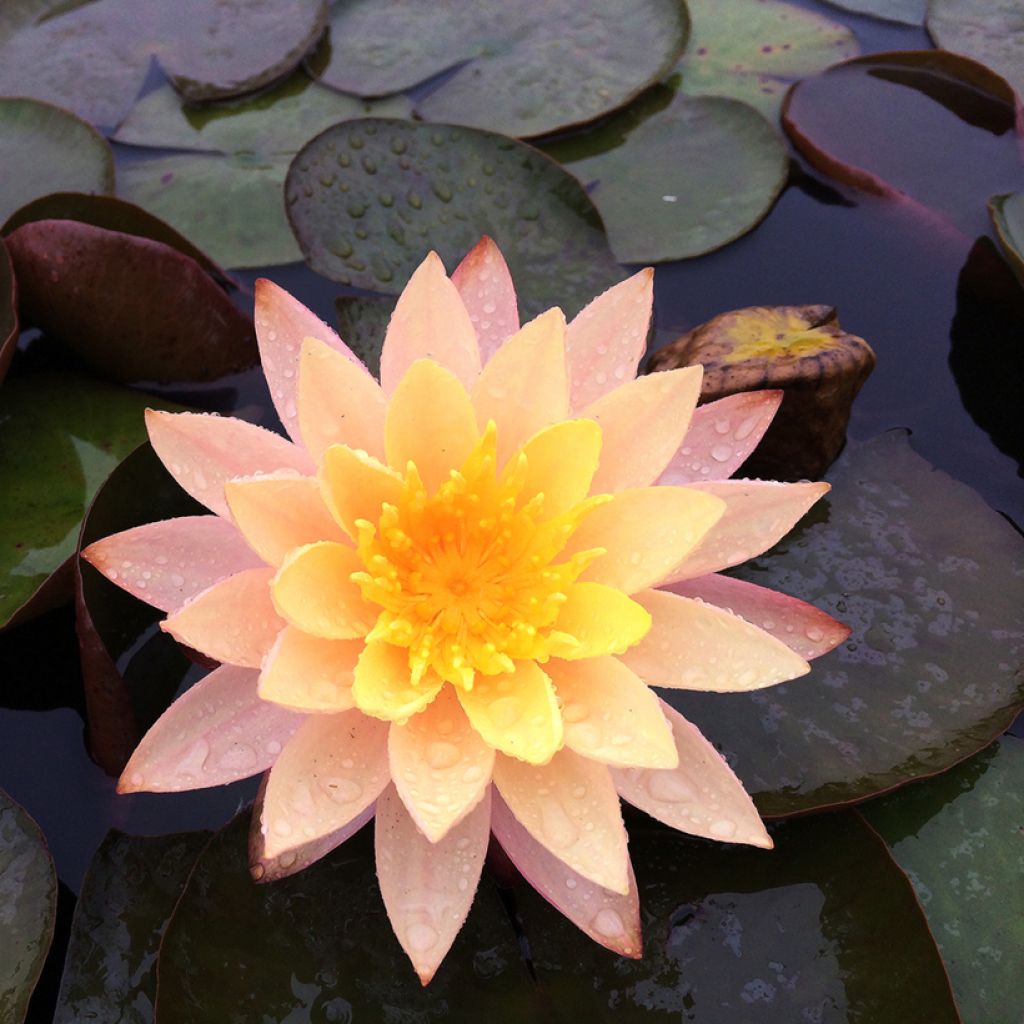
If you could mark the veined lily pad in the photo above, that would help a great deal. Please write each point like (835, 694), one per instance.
(523, 69)
(45, 149)
(8, 311)
(934, 667)
(28, 906)
(640, 166)
(128, 895)
(990, 31)
(890, 124)
(1007, 214)
(60, 436)
(960, 838)
(367, 198)
(753, 51)
(906, 12)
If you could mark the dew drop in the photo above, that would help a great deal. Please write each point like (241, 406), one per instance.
(721, 452)
(442, 754)
(608, 923)
(421, 937)
(723, 828)
(557, 826)
(669, 788)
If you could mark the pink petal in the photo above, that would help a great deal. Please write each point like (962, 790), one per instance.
(800, 626)
(702, 796)
(607, 917)
(331, 770)
(485, 284)
(218, 731)
(607, 339)
(281, 324)
(166, 564)
(270, 869)
(721, 437)
(430, 322)
(758, 514)
(428, 887)
(233, 621)
(202, 451)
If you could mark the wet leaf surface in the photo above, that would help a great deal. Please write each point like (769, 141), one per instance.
(960, 838)
(45, 149)
(934, 668)
(28, 905)
(639, 169)
(134, 308)
(1007, 214)
(362, 323)
(753, 51)
(522, 69)
(932, 130)
(60, 436)
(126, 899)
(367, 198)
(906, 12)
(8, 312)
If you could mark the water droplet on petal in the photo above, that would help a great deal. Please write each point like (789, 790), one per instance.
(421, 937)
(608, 923)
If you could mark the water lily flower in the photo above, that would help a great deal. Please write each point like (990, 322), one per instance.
(444, 601)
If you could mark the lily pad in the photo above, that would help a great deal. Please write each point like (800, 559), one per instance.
(932, 130)
(60, 436)
(28, 907)
(128, 894)
(990, 31)
(906, 12)
(367, 198)
(753, 51)
(1007, 214)
(45, 149)
(519, 69)
(934, 668)
(135, 308)
(8, 312)
(363, 322)
(805, 932)
(639, 168)
(960, 838)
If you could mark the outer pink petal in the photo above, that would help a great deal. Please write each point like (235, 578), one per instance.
(168, 563)
(702, 796)
(428, 887)
(758, 514)
(800, 626)
(430, 322)
(233, 621)
(607, 339)
(281, 324)
(216, 732)
(202, 451)
(643, 423)
(331, 770)
(486, 287)
(607, 917)
(721, 437)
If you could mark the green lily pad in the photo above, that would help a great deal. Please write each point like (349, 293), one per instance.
(128, 894)
(8, 311)
(989, 31)
(60, 436)
(362, 323)
(929, 129)
(135, 308)
(368, 198)
(640, 169)
(906, 12)
(45, 149)
(805, 932)
(931, 580)
(1007, 213)
(960, 838)
(753, 51)
(522, 69)
(28, 907)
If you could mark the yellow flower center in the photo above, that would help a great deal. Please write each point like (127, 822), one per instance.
(466, 577)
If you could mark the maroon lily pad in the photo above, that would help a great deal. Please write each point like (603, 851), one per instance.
(8, 311)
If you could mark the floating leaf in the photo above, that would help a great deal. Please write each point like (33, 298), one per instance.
(368, 197)
(28, 906)
(960, 838)
(1007, 214)
(60, 436)
(934, 667)
(362, 323)
(906, 12)
(522, 69)
(135, 308)
(753, 51)
(989, 31)
(8, 311)
(640, 169)
(45, 149)
(929, 129)
(128, 894)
